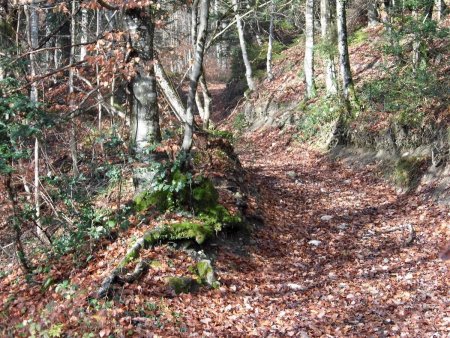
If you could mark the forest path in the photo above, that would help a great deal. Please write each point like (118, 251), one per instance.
(319, 264)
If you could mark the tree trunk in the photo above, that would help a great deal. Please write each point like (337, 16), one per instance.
(439, 7)
(72, 137)
(97, 77)
(145, 128)
(33, 40)
(270, 42)
(348, 90)
(240, 28)
(207, 101)
(327, 38)
(195, 74)
(308, 65)
(169, 91)
(84, 33)
(204, 107)
(372, 13)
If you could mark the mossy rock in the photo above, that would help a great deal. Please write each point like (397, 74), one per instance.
(147, 199)
(217, 216)
(178, 231)
(191, 230)
(205, 273)
(205, 195)
(221, 134)
(407, 172)
(182, 284)
(156, 265)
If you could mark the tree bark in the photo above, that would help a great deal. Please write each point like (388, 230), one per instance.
(84, 33)
(195, 74)
(248, 68)
(169, 92)
(204, 107)
(33, 41)
(348, 90)
(145, 128)
(372, 13)
(270, 42)
(308, 65)
(327, 38)
(207, 101)
(72, 137)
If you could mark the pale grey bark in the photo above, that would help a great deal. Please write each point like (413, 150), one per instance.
(97, 77)
(33, 42)
(207, 101)
(84, 33)
(72, 138)
(344, 60)
(169, 91)
(308, 65)
(240, 28)
(195, 74)
(33, 39)
(194, 22)
(372, 13)
(145, 128)
(439, 8)
(327, 38)
(203, 106)
(270, 42)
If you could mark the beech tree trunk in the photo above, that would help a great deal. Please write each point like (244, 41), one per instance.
(270, 43)
(33, 40)
(327, 38)
(203, 106)
(372, 13)
(308, 65)
(348, 90)
(207, 101)
(195, 74)
(72, 140)
(145, 128)
(240, 29)
(84, 33)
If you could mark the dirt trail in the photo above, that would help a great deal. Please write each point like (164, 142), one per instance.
(319, 265)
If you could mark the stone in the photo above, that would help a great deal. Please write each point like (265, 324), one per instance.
(343, 226)
(295, 287)
(326, 218)
(291, 174)
(314, 242)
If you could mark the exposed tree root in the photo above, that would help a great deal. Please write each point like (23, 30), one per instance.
(158, 236)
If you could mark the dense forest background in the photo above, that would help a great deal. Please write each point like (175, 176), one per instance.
(224, 168)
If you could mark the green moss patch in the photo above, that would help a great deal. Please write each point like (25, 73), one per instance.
(407, 172)
(181, 284)
(147, 199)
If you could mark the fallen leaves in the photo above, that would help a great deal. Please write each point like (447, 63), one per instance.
(311, 270)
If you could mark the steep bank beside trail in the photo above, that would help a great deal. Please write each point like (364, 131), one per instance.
(401, 121)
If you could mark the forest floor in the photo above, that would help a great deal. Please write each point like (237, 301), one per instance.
(333, 257)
